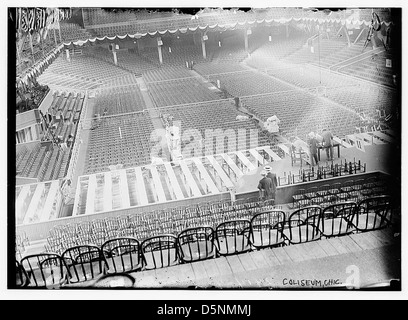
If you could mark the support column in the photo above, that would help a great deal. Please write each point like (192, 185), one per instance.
(67, 53)
(246, 39)
(347, 35)
(159, 44)
(203, 39)
(115, 58)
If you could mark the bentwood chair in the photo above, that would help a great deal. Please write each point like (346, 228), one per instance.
(196, 243)
(44, 270)
(122, 255)
(232, 237)
(84, 263)
(335, 219)
(159, 251)
(303, 225)
(372, 213)
(267, 229)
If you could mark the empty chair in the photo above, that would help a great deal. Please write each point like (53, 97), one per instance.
(98, 237)
(372, 213)
(159, 251)
(232, 236)
(296, 156)
(122, 255)
(196, 243)
(114, 281)
(111, 223)
(84, 263)
(44, 270)
(127, 232)
(303, 225)
(266, 229)
(335, 219)
(299, 199)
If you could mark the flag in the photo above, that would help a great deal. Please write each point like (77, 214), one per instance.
(31, 14)
(23, 19)
(40, 18)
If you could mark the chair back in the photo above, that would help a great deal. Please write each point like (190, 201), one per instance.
(303, 225)
(159, 251)
(232, 236)
(196, 243)
(335, 219)
(122, 254)
(266, 229)
(84, 263)
(44, 270)
(373, 213)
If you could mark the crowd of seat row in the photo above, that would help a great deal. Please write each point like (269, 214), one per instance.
(80, 263)
(166, 73)
(42, 162)
(72, 32)
(314, 116)
(180, 91)
(47, 161)
(200, 117)
(172, 221)
(117, 100)
(82, 71)
(351, 189)
(27, 57)
(358, 97)
(119, 140)
(95, 16)
(207, 17)
(374, 68)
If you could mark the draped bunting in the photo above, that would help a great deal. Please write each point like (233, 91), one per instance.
(31, 20)
(349, 23)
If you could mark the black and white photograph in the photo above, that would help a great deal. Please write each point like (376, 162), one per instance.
(204, 149)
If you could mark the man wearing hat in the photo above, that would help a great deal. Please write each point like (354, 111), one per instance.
(272, 176)
(265, 187)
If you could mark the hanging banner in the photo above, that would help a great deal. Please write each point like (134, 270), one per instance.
(30, 20)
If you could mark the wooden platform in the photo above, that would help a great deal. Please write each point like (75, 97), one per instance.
(357, 260)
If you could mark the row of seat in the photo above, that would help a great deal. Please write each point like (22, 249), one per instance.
(272, 228)
(119, 100)
(27, 58)
(353, 189)
(130, 134)
(152, 223)
(180, 91)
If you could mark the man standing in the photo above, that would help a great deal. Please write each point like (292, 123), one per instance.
(265, 187)
(313, 149)
(272, 176)
(328, 143)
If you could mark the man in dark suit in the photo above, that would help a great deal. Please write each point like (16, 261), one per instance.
(265, 187)
(328, 143)
(272, 176)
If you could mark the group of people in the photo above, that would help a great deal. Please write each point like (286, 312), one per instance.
(267, 185)
(326, 139)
